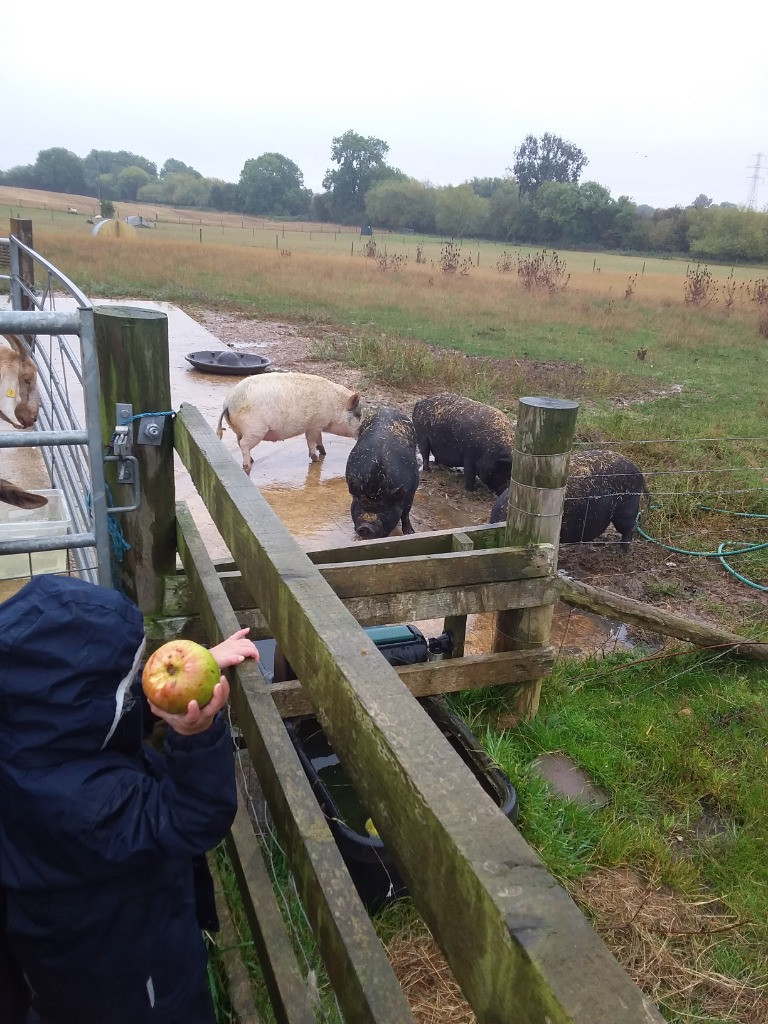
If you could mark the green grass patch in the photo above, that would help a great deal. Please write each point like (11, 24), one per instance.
(681, 745)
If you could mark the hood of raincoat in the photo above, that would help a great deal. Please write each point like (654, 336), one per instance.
(69, 652)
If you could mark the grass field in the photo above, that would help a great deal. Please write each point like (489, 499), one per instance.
(679, 742)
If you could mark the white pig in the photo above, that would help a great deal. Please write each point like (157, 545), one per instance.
(275, 406)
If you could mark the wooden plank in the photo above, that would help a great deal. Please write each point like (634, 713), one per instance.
(432, 604)
(228, 942)
(473, 672)
(179, 602)
(456, 625)
(616, 606)
(432, 543)
(435, 572)
(362, 978)
(369, 611)
(519, 948)
(282, 975)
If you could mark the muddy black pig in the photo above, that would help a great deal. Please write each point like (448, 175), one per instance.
(461, 432)
(603, 487)
(383, 474)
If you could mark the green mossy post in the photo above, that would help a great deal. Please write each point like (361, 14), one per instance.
(543, 439)
(132, 351)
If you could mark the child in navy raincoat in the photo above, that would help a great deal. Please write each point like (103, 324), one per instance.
(98, 831)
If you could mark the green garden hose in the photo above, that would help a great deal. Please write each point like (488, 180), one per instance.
(721, 548)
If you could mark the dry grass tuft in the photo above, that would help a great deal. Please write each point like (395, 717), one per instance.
(663, 943)
(427, 980)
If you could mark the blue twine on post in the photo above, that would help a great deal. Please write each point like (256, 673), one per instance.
(138, 415)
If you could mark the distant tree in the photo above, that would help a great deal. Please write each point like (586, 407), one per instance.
(225, 195)
(189, 190)
(668, 231)
(22, 176)
(460, 212)
(172, 166)
(504, 210)
(644, 210)
(129, 181)
(547, 159)
(105, 161)
(625, 231)
(730, 234)
(401, 203)
(486, 187)
(557, 206)
(177, 190)
(59, 170)
(361, 164)
(701, 202)
(273, 185)
(321, 207)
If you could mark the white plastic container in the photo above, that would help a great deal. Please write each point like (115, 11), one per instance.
(49, 521)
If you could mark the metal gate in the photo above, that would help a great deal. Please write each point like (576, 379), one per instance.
(68, 429)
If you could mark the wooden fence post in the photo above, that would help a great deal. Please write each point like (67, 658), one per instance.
(22, 229)
(543, 438)
(132, 351)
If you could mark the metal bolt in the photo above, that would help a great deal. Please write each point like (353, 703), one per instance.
(153, 430)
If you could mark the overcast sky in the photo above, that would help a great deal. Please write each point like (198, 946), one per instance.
(667, 99)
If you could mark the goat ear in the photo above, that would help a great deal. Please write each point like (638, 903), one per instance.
(17, 345)
(13, 495)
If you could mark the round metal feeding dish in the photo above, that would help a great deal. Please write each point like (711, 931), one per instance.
(225, 361)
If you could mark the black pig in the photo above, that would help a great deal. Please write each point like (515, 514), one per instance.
(383, 474)
(602, 488)
(460, 432)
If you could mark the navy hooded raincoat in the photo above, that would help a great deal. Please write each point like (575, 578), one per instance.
(98, 831)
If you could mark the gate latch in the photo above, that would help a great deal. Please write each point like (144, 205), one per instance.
(119, 451)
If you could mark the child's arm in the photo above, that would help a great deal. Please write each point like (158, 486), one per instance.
(234, 649)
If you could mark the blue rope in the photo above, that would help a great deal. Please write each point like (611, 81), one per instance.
(118, 545)
(138, 415)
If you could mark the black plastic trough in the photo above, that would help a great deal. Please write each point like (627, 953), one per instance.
(224, 361)
(369, 862)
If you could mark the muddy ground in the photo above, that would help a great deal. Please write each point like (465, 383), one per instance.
(695, 587)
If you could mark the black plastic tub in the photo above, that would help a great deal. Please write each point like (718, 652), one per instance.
(369, 862)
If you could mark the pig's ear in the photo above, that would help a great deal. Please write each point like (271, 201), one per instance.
(353, 401)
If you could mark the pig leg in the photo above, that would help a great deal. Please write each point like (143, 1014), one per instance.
(245, 447)
(424, 450)
(405, 520)
(470, 471)
(315, 444)
(625, 519)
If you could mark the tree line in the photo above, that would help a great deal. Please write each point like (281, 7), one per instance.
(539, 200)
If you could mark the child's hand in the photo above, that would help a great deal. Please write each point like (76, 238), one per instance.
(234, 649)
(196, 719)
